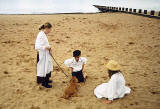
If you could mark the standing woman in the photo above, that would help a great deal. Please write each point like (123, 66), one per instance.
(44, 60)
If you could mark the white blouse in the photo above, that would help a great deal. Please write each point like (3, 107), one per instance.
(77, 66)
(45, 65)
(115, 88)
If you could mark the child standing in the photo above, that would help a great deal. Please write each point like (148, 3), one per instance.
(77, 64)
(44, 60)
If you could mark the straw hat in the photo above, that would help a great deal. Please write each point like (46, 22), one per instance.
(113, 65)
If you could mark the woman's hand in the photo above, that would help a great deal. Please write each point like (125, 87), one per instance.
(107, 101)
(48, 48)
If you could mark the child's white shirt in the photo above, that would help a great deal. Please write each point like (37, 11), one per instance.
(77, 66)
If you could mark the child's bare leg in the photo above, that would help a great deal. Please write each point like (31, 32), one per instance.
(85, 75)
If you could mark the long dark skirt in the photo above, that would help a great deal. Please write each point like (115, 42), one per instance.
(42, 79)
(79, 76)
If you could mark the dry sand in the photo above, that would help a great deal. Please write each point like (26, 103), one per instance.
(133, 41)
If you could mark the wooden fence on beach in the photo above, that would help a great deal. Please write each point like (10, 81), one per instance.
(146, 13)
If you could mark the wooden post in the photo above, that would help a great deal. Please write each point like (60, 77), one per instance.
(122, 9)
(126, 9)
(105, 9)
(119, 8)
(152, 12)
(145, 11)
(159, 13)
(130, 9)
(112, 9)
(109, 8)
(134, 10)
(140, 11)
(116, 8)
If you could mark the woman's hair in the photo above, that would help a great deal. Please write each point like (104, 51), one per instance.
(110, 73)
(46, 25)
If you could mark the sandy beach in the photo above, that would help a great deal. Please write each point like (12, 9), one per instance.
(133, 41)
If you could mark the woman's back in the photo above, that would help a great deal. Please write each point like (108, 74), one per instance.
(120, 83)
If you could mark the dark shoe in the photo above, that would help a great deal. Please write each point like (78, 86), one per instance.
(46, 85)
(49, 81)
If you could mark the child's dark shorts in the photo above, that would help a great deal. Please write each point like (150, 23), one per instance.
(79, 76)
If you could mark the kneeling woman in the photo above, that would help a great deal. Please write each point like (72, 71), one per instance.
(115, 88)
(44, 60)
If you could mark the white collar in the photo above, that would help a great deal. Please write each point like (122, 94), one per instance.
(75, 60)
(43, 32)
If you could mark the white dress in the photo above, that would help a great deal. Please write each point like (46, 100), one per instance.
(45, 65)
(115, 88)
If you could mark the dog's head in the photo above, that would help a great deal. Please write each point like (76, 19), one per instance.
(74, 80)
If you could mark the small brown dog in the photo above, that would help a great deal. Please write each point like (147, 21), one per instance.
(72, 88)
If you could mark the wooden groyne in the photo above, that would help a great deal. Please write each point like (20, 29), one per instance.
(145, 13)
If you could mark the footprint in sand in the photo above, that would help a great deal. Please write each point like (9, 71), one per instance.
(19, 91)
(131, 43)
(154, 92)
(95, 78)
(35, 107)
(25, 24)
(57, 42)
(132, 73)
(133, 88)
(155, 72)
(131, 104)
(145, 75)
(128, 84)
(5, 72)
(67, 37)
(105, 58)
(7, 42)
(64, 82)
(17, 63)
(79, 107)
(136, 103)
(4, 62)
(156, 45)
(56, 69)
